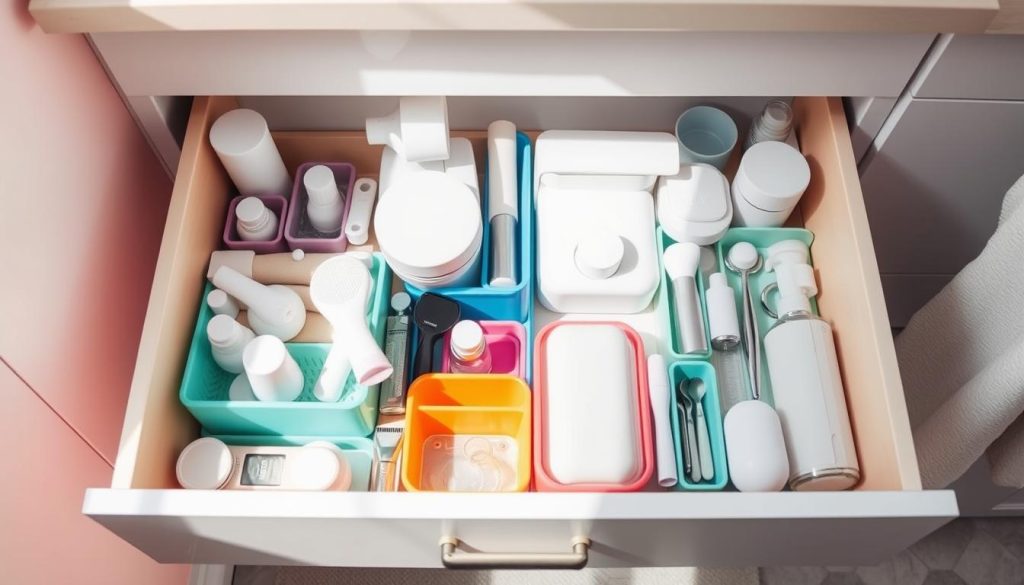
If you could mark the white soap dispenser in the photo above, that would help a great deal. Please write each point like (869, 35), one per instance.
(806, 383)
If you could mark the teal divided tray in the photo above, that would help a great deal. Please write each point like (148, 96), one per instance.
(204, 386)
(358, 452)
(713, 415)
(761, 238)
(487, 303)
(667, 310)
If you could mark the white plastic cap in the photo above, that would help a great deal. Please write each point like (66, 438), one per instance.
(321, 186)
(468, 340)
(222, 304)
(205, 464)
(251, 212)
(223, 330)
(681, 259)
(599, 254)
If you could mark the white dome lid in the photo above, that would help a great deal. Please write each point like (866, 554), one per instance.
(205, 464)
(428, 224)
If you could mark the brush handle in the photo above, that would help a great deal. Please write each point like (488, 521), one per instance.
(425, 354)
(331, 383)
(692, 334)
(707, 465)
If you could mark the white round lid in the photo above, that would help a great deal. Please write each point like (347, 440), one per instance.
(772, 176)
(428, 224)
(205, 464)
(238, 131)
(250, 210)
(221, 330)
(240, 389)
(315, 467)
(467, 339)
(599, 254)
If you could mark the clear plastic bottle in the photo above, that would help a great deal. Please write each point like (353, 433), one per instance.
(468, 349)
(775, 123)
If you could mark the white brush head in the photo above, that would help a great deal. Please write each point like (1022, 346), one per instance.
(340, 288)
(681, 259)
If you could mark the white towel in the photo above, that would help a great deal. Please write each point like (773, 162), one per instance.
(961, 358)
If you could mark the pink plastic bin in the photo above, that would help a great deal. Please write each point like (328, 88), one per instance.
(507, 342)
(543, 481)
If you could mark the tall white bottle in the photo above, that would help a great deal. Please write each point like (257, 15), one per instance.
(806, 383)
(326, 205)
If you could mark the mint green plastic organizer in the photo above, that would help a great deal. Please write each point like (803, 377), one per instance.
(713, 415)
(761, 238)
(358, 452)
(667, 309)
(204, 386)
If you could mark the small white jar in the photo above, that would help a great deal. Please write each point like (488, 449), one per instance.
(254, 222)
(769, 183)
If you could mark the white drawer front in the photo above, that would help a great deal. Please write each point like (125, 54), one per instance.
(626, 530)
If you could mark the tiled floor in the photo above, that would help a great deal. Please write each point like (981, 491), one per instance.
(969, 551)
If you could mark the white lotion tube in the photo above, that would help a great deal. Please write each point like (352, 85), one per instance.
(243, 142)
(661, 405)
(502, 203)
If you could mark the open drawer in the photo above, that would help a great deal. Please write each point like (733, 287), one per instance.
(887, 512)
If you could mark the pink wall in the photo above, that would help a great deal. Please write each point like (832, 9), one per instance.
(82, 206)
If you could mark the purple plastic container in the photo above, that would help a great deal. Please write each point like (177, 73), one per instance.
(275, 203)
(506, 341)
(300, 233)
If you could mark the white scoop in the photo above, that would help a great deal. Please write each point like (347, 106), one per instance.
(340, 289)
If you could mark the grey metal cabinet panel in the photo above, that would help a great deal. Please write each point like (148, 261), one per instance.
(986, 67)
(934, 187)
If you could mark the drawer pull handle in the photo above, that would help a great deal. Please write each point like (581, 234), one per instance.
(452, 559)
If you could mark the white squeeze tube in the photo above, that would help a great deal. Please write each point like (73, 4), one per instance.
(661, 405)
(502, 203)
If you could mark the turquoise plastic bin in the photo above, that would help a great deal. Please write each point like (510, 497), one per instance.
(358, 452)
(761, 238)
(713, 415)
(667, 308)
(204, 387)
(484, 302)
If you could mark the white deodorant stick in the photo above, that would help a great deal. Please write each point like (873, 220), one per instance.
(722, 318)
(246, 149)
(325, 206)
(273, 373)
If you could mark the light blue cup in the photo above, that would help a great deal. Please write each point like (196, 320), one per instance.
(706, 135)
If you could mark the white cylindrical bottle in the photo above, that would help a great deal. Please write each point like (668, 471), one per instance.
(722, 318)
(273, 373)
(227, 342)
(326, 205)
(468, 349)
(246, 149)
(806, 382)
(221, 303)
(254, 222)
